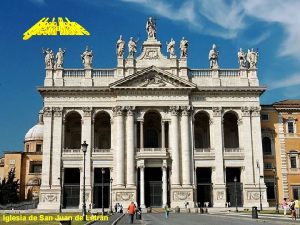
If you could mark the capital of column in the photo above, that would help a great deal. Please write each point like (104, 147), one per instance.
(186, 110)
(118, 111)
(255, 111)
(57, 111)
(130, 110)
(47, 111)
(87, 111)
(245, 111)
(174, 110)
(217, 111)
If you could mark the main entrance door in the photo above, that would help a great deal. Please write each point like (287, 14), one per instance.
(153, 187)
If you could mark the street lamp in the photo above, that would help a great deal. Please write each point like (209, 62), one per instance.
(111, 181)
(275, 188)
(258, 166)
(235, 193)
(84, 149)
(103, 172)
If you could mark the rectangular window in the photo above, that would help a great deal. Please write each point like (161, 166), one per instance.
(296, 192)
(35, 167)
(27, 148)
(264, 116)
(293, 162)
(270, 190)
(268, 166)
(38, 148)
(290, 127)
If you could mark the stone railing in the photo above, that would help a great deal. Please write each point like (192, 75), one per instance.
(103, 72)
(203, 149)
(73, 72)
(151, 149)
(69, 150)
(204, 153)
(233, 153)
(152, 152)
(229, 72)
(101, 150)
(200, 72)
(232, 150)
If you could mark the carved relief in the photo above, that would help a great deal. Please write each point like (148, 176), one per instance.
(57, 111)
(118, 111)
(217, 111)
(182, 195)
(130, 110)
(125, 196)
(174, 110)
(245, 111)
(256, 111)
(151, 54)
(186, 110)
(253, 195)
(153, 81)
(49, 198)
(220, 195)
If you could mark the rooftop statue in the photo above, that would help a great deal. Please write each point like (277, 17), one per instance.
(120, 47)
(242, 58)
(183, 48)
(132, 46)
(60, 58)
(252, 57)
(213, 57)
(87, 57)
(171, 48)
(49, 58)
(151, 27)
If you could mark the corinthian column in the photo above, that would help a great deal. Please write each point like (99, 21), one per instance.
(185, 147)
(164, 183)
(130, 147)
(142, 186)
(174, 146)
(119, 153)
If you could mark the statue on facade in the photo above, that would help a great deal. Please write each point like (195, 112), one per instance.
(151, 27)
(242, 58)
(213, 57)
(252, 57)
(120, 47)
(132, 46)
(49, 58)
(87, 57)
(59, 58)
(183, 48)
(171, 48)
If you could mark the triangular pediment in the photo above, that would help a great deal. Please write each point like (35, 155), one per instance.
(152, 77)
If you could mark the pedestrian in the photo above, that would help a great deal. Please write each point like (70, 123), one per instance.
(167, 211)
(131, 211)
(292, 208)
(284, 206)
(297, 206)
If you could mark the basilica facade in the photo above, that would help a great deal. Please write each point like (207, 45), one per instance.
(158, 132)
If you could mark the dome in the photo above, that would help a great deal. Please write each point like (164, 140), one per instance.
(35, 133)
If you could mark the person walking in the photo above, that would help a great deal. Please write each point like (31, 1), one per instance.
(292, 208)
(297, 206)
(131, 211)
(285, 206)
(167, 211)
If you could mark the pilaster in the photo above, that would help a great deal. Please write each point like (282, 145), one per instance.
(130, 147)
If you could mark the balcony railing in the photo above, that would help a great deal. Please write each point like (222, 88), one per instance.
(199, 72)
(74, 72)
(101, 150)
(151, 149)
(70, 150)
(233, 153)
(232, 149)
(229, 72)
(204, 153)
(203, 149)
(104, 72)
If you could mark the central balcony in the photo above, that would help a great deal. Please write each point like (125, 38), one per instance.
(151, 153)
(204, 153)
(234, 153)
(69, 153)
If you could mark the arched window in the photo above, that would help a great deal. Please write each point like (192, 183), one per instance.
(102, 131)
(231, 131)
(152, 130)
(201, 130)
(267, 148)
(73, 131)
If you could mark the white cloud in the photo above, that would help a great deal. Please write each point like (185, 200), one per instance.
(289, 81)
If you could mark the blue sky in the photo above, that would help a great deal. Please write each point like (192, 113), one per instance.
(272, 26)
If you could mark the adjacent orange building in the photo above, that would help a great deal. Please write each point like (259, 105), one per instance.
(281, 148)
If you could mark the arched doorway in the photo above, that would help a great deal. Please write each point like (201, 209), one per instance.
(73, 131)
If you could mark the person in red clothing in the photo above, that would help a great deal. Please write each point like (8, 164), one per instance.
(131, 210)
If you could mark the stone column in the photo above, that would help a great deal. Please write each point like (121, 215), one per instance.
(141, 134)
(130, 147)
(119, 153)
(174, 146)
(47, 145)
(185, 147)
(142, 186)
(163, 138)
(57, 148)
(86, 135)
(219, 182)
(164, 183)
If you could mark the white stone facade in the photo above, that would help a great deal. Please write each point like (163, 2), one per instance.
(153, 82)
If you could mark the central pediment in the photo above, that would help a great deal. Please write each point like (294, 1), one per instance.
(152, 78)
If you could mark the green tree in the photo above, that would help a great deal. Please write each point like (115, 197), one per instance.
(9, 189)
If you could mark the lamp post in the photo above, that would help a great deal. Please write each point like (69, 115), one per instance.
(235, 194)
(84, 149)
(103, 172)
(258, 166)
(111, 181)
(275, 188)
